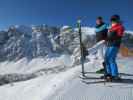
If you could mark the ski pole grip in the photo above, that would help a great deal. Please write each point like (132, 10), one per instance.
(79, 21)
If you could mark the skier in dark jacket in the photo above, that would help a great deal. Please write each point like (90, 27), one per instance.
(115, 34)
(101, 30)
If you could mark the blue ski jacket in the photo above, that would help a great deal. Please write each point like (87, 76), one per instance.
(101, 31)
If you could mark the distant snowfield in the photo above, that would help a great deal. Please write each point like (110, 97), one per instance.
(56, 85)
(24, 66)
(36, 89)
(39, 88)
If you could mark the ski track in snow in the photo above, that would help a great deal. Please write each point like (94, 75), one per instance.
(77, 90)
(67, 85)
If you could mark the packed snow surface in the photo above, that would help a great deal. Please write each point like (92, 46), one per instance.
(67, 85)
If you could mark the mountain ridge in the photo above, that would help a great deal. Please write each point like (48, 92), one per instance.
(42, 40)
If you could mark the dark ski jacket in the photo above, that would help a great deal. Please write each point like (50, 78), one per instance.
(115, 35)
(101, 32)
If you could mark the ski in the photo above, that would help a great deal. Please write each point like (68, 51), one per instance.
(89, 78)
(122, 81)
(95, 80)
(81, 46)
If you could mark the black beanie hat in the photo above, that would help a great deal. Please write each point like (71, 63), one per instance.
(99, 18)
(115, 18)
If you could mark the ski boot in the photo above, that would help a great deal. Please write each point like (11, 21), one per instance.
(100, 71)
(116, 78)
(106, 77)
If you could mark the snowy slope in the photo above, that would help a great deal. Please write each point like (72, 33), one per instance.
(40, 62)
(27, 50)
(36, 89)
(95, 89)
(24, 66)
(68, 86)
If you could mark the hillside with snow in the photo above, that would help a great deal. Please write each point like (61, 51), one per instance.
(37, 41)
(40, 62)
(27, 51)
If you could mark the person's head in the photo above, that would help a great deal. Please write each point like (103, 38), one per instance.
(115, 19)
(99, 20)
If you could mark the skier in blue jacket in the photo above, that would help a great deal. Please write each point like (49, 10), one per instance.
(101, 30)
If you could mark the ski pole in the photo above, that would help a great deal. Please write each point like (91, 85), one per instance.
(81, 46)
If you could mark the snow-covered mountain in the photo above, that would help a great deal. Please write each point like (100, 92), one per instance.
(23, 41)
(40, 41)
(28, 51)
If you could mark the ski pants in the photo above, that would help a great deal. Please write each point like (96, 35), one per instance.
(101, 52)
(110, 60)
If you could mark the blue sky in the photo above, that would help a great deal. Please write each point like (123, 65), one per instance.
(63, 12)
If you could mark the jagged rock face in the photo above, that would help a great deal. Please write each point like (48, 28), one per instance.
(69, 38)
(37, 41)
(29, 42)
